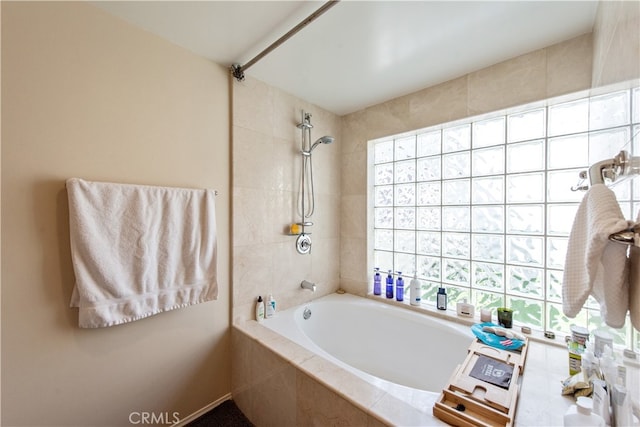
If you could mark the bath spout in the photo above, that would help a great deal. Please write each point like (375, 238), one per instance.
(308, 285)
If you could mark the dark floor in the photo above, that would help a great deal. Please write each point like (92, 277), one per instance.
(227, 414)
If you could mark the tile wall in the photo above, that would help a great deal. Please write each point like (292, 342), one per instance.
(553, 71)
(616, 42)
(266, 174)
(272, 391)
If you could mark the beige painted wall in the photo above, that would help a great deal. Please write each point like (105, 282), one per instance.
(86, 95)
(266, 176)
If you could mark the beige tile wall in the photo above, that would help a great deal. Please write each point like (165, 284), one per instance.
(553, 71)
(271, 391)
(616, 44)
(266, 175)
(266, 167)
(265, 385)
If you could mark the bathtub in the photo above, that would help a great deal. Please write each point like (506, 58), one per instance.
(390, 347)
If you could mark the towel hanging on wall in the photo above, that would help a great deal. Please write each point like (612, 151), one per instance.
(140, 250)
(595, 265)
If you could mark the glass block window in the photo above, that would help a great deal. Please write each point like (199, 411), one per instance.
(484, 207)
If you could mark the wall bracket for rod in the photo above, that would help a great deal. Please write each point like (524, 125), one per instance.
(237, 72)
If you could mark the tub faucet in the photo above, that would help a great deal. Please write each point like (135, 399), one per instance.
(308, 285)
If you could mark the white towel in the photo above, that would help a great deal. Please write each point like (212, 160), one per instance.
(594, 265)
(139, 250)
(634, 287)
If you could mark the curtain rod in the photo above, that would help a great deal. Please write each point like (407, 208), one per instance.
(238, 70)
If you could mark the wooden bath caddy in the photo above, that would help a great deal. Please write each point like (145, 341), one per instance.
(468, 401)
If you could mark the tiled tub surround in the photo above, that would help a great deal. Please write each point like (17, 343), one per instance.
(278, 382)
(266, 180)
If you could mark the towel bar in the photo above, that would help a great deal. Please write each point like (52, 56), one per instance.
(215, 192)
(629, 236)
(609, 171)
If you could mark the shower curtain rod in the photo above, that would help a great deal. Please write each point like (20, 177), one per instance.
(238, 70)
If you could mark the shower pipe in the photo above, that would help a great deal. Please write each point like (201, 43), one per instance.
(238, 70)
(303, 243)
(307, 167)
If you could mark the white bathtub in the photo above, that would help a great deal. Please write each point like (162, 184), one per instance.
(390, 347)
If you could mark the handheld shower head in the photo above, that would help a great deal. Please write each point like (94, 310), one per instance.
(323, 140)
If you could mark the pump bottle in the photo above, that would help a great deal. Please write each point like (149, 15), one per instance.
(377, 282)
(414, 291)
(260, 309)
(389, 285)
(399, 287)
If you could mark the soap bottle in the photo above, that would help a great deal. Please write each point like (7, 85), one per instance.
(260, 309)
(465, 309)
(415, 291)
(589, 362)
(399, 287)
(377, 280)
(389, 285)
(608, 367)
(441, 299)
(621, 405)
(601, 400)
(270, 309)
(580, 414)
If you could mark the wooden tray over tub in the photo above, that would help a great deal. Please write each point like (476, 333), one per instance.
(468, 401)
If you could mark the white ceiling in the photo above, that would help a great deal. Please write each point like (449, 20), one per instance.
(360, 53)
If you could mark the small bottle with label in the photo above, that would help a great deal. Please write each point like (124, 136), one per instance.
(441, 299)
(399, 287)
(463, 308)
(389, 285)
(415, 291)
(270, 308)
(377, 281)
(260, 309)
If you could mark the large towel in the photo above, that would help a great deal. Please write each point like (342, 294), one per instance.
(634, 279)
(634, 287)
(139, 250)
(595, 265)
